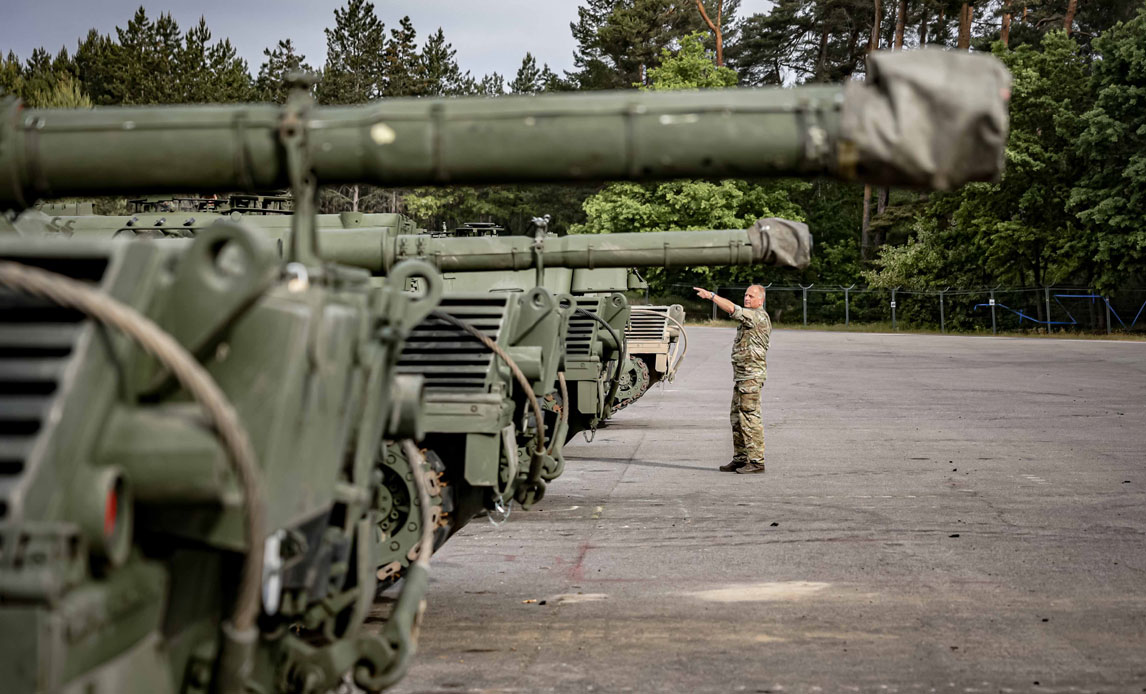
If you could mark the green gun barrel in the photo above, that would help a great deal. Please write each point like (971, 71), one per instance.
(768, 242)
(925, 118)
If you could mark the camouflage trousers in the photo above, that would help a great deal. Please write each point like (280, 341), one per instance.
(747, 421)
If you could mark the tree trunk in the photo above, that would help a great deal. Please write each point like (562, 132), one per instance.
(715, 27)
(1005, 30)
(1068, 21)
(822, 58)
(900, 23)
(923, 29)
(966, 14)
(865, 230)
(873, 43)
(881, 204)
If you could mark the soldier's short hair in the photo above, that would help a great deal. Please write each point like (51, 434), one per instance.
(759, 289)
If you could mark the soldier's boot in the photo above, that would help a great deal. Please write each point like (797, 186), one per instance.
(750, 467)
(733, 466)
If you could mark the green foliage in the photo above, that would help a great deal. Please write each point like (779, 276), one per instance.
(400, 61)
(511, 206)
(530, 79)
(686, 205)
(689, 204)
(1110, 194)
(618, 41)
(805, 41)
(690, 67)
(355, 56)
(153, 62)
(65, 93)
(440, 74)
(1017, 232)
(281, 61)
(11, 75)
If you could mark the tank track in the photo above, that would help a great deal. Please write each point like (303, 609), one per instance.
(398, 529)
(635, 381)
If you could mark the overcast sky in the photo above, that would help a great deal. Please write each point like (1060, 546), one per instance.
(489, 35)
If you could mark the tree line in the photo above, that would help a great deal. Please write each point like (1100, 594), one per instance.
(1069, 208)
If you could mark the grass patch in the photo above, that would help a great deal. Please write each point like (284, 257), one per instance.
(885, 327)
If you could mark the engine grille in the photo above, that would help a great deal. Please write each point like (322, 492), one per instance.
(648, 323)
(582, 329)
(448, 358)
(37, 339)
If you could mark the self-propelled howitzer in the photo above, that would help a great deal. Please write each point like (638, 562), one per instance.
(189, 433)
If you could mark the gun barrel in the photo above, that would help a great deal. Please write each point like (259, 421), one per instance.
(925, 118)
(768, 242)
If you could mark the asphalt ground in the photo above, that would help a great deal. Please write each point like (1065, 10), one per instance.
(940, 514)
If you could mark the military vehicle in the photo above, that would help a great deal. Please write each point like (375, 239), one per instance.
(602, 369)
(139, 550)
(480, 415)
(657, 343)
(239, 202)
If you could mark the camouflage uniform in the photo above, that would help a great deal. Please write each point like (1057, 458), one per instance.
(749, 370)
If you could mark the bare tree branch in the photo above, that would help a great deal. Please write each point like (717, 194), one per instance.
(715, 28)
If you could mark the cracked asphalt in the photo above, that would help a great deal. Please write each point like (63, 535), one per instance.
(940, 514)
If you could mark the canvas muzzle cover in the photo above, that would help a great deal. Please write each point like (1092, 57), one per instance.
(781, 242)
(930, 118)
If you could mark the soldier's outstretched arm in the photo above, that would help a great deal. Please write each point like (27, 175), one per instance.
(724, 304)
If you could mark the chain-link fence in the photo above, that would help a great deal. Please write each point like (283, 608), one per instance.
(1040, 309)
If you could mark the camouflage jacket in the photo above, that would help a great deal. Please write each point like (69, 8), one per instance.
(753, 332)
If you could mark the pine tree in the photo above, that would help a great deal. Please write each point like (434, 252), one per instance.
(96, 59)
(194, 65)
(39, 75)
(229, 74)
(492, 84)
(529, 78)
(132, 69)
(619, 40)
(166, 80)
(401, 61)
(439, 73)
(282, 60)
(772, 46)
(355, 49)
(11, 75)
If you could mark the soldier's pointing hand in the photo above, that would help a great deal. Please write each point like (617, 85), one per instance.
(703, 293)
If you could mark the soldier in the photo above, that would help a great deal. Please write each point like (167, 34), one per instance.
(749, 370)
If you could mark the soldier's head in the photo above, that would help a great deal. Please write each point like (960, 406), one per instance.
(754, 296)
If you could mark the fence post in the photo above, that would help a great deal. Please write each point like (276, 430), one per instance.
(847, 307)
(1046, 298)
(765, 304)
(893, 325)
(993, 328)
(1107, 302)
(714, 304)
(806, 301)
(942, 317)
